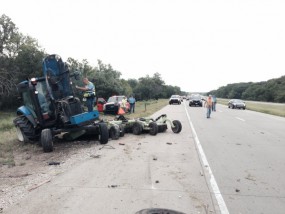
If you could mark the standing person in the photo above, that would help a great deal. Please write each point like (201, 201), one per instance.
(124, 104)
(89, 93)
(132, 102)
(214, 102)
(208, 105)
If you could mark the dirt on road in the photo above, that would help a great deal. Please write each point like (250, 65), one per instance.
(34, 168)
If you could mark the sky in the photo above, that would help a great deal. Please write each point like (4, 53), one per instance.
(197, 45)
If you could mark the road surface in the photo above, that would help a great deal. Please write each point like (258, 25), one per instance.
(230, 163)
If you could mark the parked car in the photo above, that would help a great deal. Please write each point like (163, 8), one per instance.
(175, 99)
(236, 103)
(100, 104)
(195, 100)
(113, 105)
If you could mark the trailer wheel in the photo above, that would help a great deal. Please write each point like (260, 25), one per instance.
(104, 133)
(153, 128)
(177, 126)
(162, 127)
(46, 140)
(122, 130)
(114, 133)
(137, 128)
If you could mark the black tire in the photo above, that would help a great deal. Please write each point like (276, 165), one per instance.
(162, 127)
(177, 126)
(104, 133)
(137, 128)
(46, 140)
(26, 129)
(122, 130)
(114, 132)
(153, 128)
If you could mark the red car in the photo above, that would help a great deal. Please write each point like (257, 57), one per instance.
(100, 103)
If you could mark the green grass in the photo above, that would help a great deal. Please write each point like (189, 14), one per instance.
(7, 138)
(268, 108)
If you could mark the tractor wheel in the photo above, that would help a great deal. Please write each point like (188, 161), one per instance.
(46, 140)
(122, 130)
(177, 126)
(114, 132)
(104, 133)
(153, 128)
(25, 130)
(21, 135)
(137, 128)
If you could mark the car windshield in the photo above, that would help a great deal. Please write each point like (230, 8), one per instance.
(238, 101)
(115, 99)
(196, 97)
(175, 96)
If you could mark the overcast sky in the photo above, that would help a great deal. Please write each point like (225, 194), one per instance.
(198, 45)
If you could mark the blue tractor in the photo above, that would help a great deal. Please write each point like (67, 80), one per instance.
(51, 108)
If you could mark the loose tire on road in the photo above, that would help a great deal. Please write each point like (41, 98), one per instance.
(46, 140)
(137, 128)
(104, 133)
(177, 126)
(114, 132)
(153, 128)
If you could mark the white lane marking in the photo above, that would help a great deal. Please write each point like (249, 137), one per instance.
(214, 185)
(240, 119)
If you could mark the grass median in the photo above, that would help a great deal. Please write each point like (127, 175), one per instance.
(277, 109)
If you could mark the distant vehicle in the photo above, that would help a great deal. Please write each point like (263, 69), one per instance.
(195, 100)
(100, 104)
(236, 103)
(113, 105)
(175, 99)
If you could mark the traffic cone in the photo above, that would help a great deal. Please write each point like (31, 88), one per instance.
(121, 111)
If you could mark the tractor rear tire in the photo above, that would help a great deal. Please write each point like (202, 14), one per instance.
(153, 128)
(104, 133)
(114, 132)
(137, 128)
(177, 126)
(46, 140)
(25, 130)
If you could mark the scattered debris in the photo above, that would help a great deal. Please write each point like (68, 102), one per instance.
(238, 144)
(261, 132)
(95, 156)
(250, 177)
(169, 143)
(201, 173)
(19, 175)
(35, 187)
(154, 158)
(121, 144)
(157, 181)
(113, 186)
(238, 180)
(237, 190)
(54, 163)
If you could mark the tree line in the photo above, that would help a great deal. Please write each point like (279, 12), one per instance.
(21, 58)
(272, 90)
